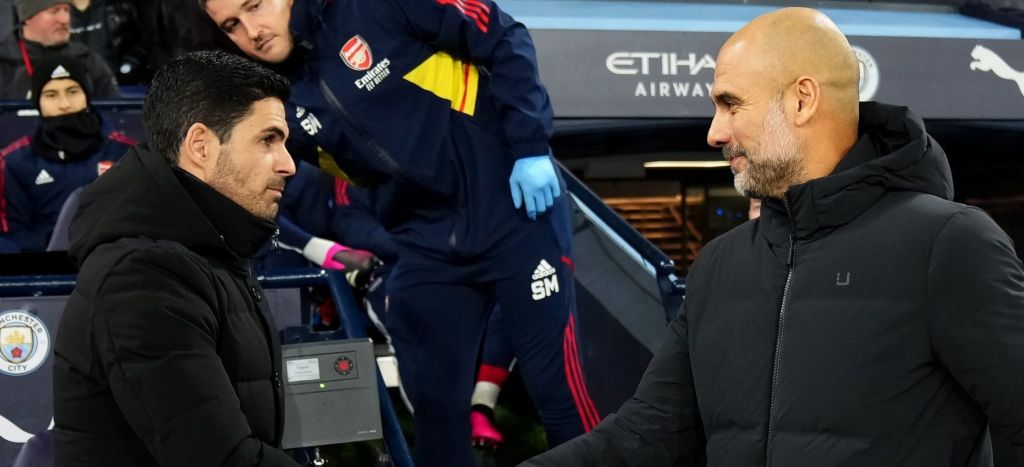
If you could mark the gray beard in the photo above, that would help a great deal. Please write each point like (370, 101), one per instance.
(778, 164)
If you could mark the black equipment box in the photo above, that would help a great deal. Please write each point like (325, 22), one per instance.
(330, 393)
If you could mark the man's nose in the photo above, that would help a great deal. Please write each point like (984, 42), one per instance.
(285, 165)
(252, 30)
(718, 134)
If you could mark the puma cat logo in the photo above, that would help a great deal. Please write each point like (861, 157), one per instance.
(987, 60)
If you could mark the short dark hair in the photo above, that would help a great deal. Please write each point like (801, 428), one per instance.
(213, 88)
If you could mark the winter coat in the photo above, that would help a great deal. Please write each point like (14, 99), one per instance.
(864, 320)
(34, 187)
(166, 353)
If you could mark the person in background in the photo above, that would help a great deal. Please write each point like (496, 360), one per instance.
(45, 30)
(69, 149)
(865, 319)
(111, 28)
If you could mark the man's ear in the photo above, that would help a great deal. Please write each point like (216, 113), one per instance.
(808, 96)
(199, 150)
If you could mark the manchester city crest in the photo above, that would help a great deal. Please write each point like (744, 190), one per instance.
(24, 343)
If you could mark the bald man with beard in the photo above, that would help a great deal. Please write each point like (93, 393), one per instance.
(864, 319)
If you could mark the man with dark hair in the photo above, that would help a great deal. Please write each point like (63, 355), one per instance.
(167, 353)
(45, 30)
(439, 103)
(864, 319)
(68, 150)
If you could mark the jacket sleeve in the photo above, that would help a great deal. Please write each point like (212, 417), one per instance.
(659, 425)
(156, 337)
(23, 227)
(482, 32)
(356, 224)
(976, 301)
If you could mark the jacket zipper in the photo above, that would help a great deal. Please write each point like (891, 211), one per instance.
(779, 334)
(375, 148)
(275, 375)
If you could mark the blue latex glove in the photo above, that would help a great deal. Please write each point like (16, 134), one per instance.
(535, 184)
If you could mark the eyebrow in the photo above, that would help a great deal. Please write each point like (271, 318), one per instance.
(273, 130)
(726, 97)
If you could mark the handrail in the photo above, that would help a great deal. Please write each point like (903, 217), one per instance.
(671, 287)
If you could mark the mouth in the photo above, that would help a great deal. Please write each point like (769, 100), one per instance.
(264, 45)
(737, 161)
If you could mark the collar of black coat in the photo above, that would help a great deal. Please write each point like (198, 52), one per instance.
(893, 153)
(71, 48)
(141, 197)
(243, 233)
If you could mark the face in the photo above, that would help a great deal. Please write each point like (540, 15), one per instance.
(252, 165)
(258, 27)
(61, 97)
(751, 128)
(50, 27)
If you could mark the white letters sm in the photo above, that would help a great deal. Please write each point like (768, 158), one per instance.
(544, 288)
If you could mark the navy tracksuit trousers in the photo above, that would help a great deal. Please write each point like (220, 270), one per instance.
(437, 313)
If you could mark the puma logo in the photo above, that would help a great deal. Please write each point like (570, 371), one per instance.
(987, 60)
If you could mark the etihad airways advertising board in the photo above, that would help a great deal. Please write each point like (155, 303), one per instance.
(637, 74)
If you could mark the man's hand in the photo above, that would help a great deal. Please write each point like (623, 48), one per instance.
(535, 184)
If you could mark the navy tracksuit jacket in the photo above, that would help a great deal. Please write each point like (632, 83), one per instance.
(35, 187)
(433, 101)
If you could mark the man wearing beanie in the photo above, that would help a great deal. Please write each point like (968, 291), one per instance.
(68, 150)
(45, 30)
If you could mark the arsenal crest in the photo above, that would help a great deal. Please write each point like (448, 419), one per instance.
(356, 54)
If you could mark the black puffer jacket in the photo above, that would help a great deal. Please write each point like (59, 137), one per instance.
(866, 320)
(166, 353)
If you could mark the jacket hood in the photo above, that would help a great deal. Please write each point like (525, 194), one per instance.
(142, 197)
(893, 153)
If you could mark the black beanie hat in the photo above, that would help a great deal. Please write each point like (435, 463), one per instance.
(51, 67)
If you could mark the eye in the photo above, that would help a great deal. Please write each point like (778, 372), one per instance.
(229, 26)
(255, 6)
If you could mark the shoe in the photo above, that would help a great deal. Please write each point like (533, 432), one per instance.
(483, 433)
